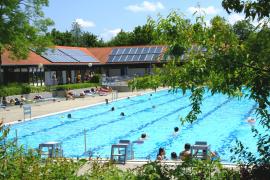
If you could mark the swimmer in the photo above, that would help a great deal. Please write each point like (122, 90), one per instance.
(143, 137)
(176, 131)
(251, 120)
(69, 115)
(112, 109)
(128, 97)
(150, 94)
(122, 114)
(153, 106)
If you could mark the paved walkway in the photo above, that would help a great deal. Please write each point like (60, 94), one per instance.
(15, 113)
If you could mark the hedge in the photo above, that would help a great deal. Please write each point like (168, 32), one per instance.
(72, 86)
(17, 89)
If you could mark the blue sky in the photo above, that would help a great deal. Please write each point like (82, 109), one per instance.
(106, 18)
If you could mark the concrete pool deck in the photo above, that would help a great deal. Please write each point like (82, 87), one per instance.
(15, 114)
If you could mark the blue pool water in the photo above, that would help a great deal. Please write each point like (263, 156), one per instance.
(222, 121)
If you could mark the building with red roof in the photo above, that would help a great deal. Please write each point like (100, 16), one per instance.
(64, 64)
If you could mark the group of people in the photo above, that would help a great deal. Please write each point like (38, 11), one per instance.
(15, 101)
(185, 154)
(71, 95)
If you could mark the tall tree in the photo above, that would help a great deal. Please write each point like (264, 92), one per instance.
(121, 39)
(22, 26)
(76, 32)
(142, 35)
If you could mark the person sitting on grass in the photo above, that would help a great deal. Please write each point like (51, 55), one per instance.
(186, 153)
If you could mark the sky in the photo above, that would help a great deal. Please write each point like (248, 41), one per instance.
(105, 18)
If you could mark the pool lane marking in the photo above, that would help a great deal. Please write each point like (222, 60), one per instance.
(171, 139)
(233, 134)
(83, 118)
(142, 127)
(117, 120)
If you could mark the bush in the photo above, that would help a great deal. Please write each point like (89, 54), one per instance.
(14, 89)
(72, 86)
(95, 79)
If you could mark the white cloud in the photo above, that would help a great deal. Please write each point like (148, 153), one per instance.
(145, 6)
(110, 33)
(233, 18)
(84, 23)
(210, 10)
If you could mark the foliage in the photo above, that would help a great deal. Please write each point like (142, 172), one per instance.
(16, 163)
(17, 89)
(257, 8)
(243, 29)
(74, 38)
(72, 86)
(14, 89)
(216, 58)
(95, 79)
(22, 27)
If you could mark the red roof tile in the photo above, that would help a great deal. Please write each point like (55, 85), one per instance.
(32, 59)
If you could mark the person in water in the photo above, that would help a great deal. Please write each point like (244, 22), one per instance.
(175, 130)
(251, 120)
(112, 109)
(161, 154)
(122, 114)
(69, 115)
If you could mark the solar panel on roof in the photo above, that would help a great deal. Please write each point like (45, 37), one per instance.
(129, 57)
(142, 57)
(120, 51)
(149, 57)
(139, 51)
(136, 57)
(126, 51)
(114, 51)
(145, 50)
(152, 49)
(133, 51)
(158, 50)
(54, 55)
(116, 58)
(123, 58)
(78, 55)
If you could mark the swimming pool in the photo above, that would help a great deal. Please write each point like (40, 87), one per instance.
(222, 120)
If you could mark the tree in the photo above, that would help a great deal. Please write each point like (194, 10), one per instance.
(89, 40)
(253, 9)
(22, 27)
(142, 35)
(121, 39)
(215, 57)
(76, 32)
(243, 29)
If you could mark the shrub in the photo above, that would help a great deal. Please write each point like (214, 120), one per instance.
(95, 79)
(14, 89)
(72, 86)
